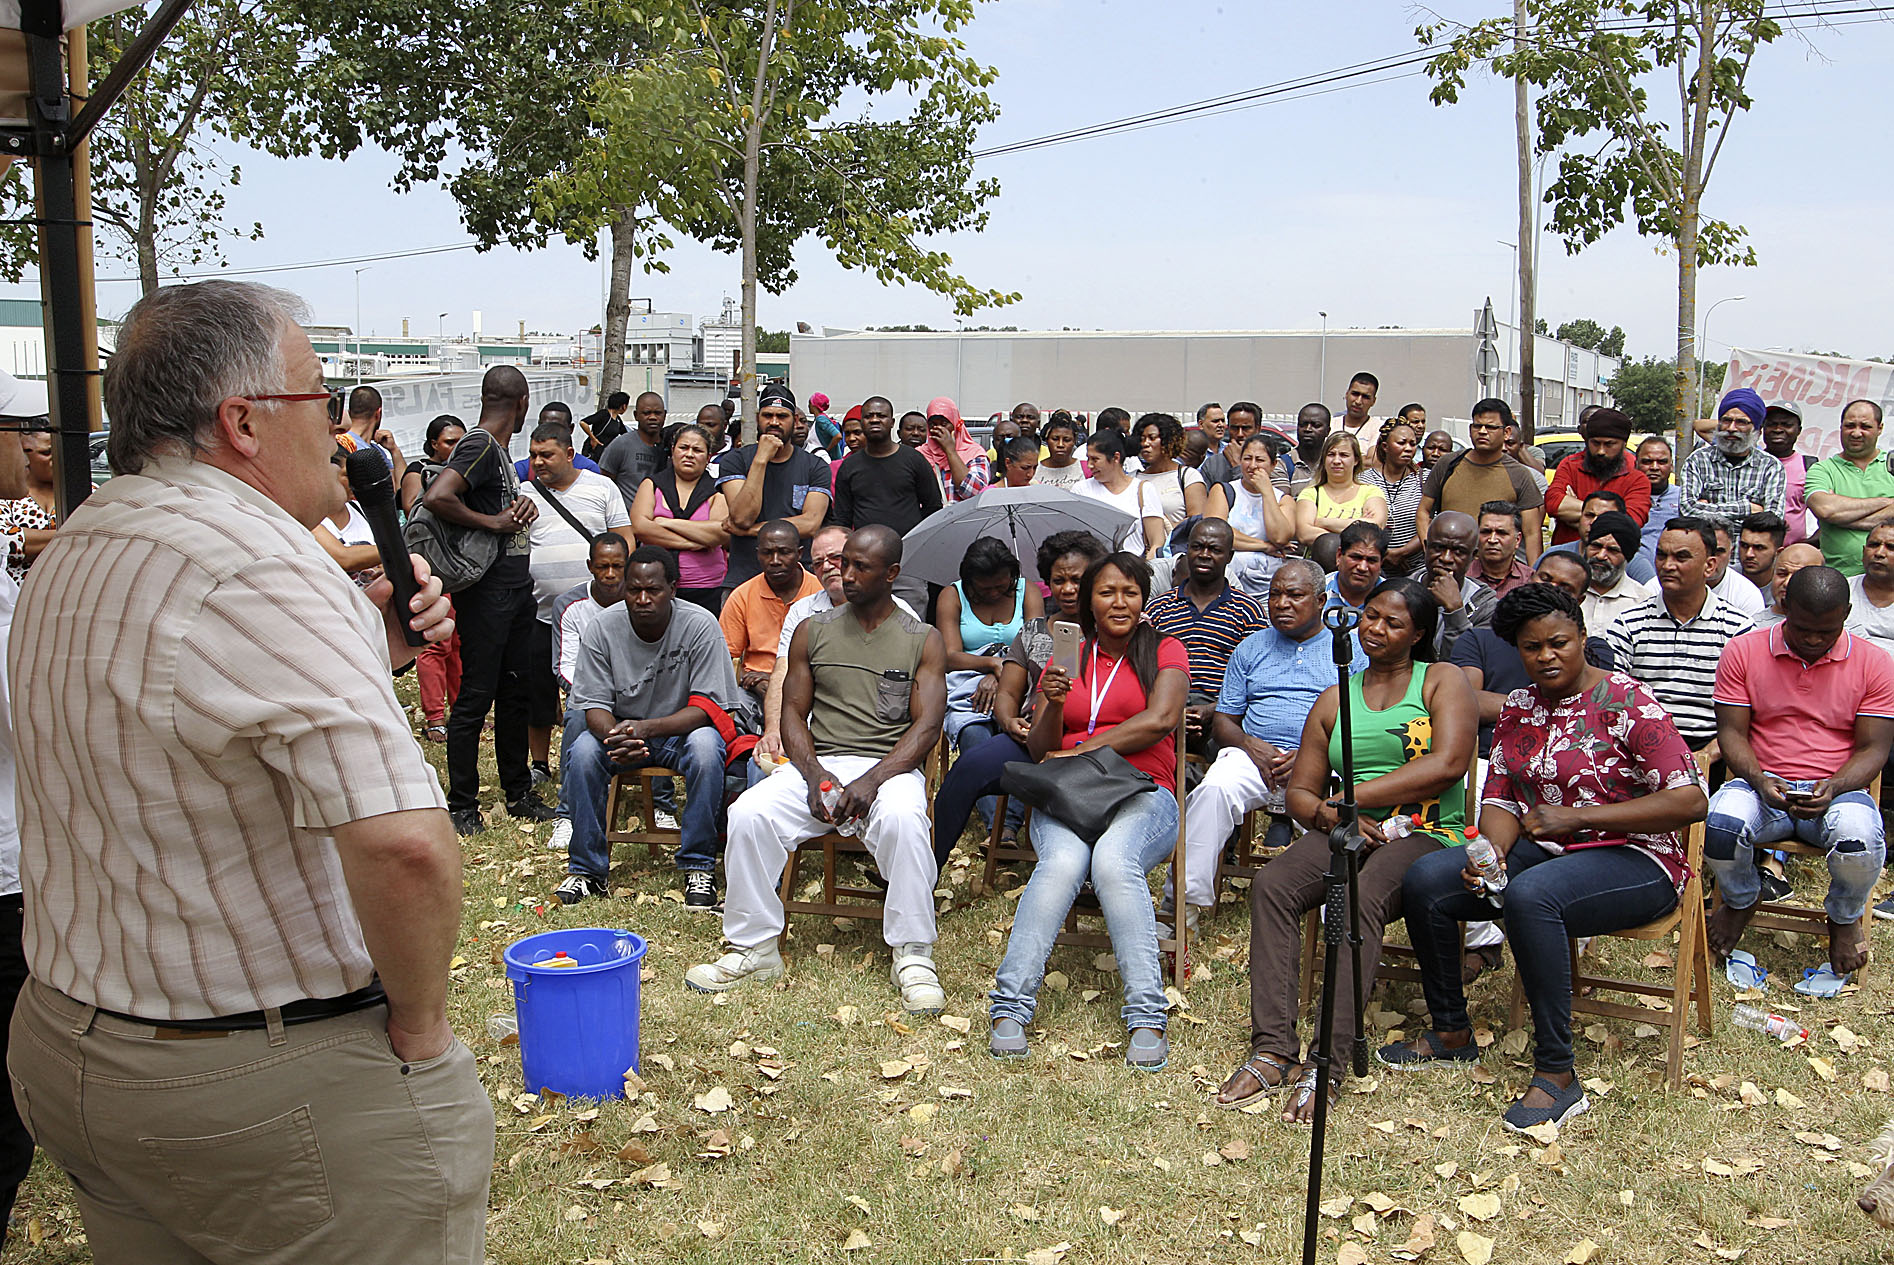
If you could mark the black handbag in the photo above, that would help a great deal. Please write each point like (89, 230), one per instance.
(1085, 791)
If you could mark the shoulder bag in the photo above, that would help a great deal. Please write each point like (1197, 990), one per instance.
(460, 556)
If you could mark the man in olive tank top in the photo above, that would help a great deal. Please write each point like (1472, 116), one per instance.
(862, 706)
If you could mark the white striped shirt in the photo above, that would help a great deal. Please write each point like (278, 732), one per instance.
(1677, 661)
(202, 697)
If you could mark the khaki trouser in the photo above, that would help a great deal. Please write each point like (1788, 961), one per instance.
(312, 1142)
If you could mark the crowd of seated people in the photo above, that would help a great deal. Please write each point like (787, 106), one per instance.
(1595, 713)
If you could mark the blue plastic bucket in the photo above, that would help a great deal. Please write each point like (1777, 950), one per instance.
(578, 1024)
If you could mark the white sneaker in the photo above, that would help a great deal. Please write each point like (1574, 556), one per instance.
(764, 962)
(913, 973)
(561, 840)
(666, 821)
(1193, 915)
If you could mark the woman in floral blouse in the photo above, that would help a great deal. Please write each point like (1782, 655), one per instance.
(30, 521)
(1588, 787)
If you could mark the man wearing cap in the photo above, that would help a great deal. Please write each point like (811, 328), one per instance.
(1601, 465)
(1728, 478)
(1611, 543)
(1781, 427)
(1852, 491)
(768, 480)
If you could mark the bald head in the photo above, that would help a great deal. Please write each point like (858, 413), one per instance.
(1817, 590)
(502, 401)
(502, 382)
(879, 541)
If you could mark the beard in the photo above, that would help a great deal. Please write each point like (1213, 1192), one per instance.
(1732, 444)
(1603, 467)
(1604, 574)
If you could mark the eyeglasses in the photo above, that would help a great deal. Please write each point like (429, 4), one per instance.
(337, 399)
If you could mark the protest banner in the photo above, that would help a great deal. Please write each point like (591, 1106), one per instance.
(1819, 385)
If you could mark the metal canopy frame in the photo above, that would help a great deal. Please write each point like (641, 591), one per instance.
(51, 137)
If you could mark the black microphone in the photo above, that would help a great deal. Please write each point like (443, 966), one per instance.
(374, 488)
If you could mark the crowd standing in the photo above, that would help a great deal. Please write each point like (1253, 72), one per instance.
(1577, 664)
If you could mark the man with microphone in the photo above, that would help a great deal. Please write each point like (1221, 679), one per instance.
(242, 889)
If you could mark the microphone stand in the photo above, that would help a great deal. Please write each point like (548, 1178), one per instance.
(1341, 908)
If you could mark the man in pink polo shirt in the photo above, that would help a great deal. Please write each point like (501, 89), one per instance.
(1799, 766)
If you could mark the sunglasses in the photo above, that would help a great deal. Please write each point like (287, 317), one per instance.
(337, 398)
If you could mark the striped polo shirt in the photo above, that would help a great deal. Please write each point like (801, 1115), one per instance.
(1677, 661)
(203, 697)
(1210, 635)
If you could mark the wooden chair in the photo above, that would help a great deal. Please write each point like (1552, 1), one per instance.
(651, 836)
(1178, 944)
(1690, 978)
(841, 896)
(1784, 916)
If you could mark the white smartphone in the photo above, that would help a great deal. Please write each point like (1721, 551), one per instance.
(1066, 640)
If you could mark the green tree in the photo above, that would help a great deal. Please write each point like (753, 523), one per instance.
(774, 342)
(1589, 334)
(736, 117)
(158, 199)
(1644, 390)
(1625, 154)
(484, 97)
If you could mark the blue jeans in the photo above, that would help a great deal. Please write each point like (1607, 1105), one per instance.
(1142, 834)
(1850, 832)
(973, 777)
(1585, 893)
(586, 775)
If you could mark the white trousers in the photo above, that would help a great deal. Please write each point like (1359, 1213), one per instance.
(773, 817)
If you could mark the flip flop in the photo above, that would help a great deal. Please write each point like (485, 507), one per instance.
(1822, 981)
(1743, 973)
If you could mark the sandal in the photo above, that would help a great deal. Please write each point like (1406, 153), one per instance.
(435, 733)
(1254, 1065)
(1305, 1093)
(1477, 961)
(1427, 1051)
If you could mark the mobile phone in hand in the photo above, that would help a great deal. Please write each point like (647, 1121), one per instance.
(1066, 640)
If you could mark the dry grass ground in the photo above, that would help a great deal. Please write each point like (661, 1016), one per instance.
(853, 1133)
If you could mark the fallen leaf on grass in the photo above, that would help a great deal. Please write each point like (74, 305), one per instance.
(710, 1229)
(1822, 1067)
(1337, 1207)
(857, 1241)
(1382, 1203)
(658, 1175)
(1352, 1254)
(1446, 1170)
(895, 1069)
(1845, 1038)
(1767, 1223)
(1657, 960)
(1876, 1080)
(1420, 1238)
(1365, 1225)
(922, 1112)
(665, 1061)
(1235, 1150)
(632, 1153)
(1110, 1216)
(1252, 1237)
(1384, 1126)
(1475, 1249)
(1626, 1198)
(1021, 1212)
(1748, 1094)
(846, 1014)
(1481, 1207)
(1582, 1251)
(713, 1100)
(1786, 1099)
(959, 1023)
(1549, 1155)
(1708, 1244)
(1544, 1134)
(575, 1213)
(1827, 1141)
(646, 1124)
(1515, 1042)
(1057, 981)
(1211, 1159)
(1048, 1255)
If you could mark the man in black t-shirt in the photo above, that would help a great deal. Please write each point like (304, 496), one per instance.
(768, 480)
(884, 481)
(478, 488)
(634, 456)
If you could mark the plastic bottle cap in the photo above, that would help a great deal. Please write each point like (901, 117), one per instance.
(826, 786)
(1416, 819)
(1471, 834)
(560, 954)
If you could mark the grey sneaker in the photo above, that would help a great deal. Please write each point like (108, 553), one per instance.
(1008, 1039)
(764, 962)
(561, 840)
(1886, 908)
(1149, 1050)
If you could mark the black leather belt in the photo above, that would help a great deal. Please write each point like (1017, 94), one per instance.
(307, 1010)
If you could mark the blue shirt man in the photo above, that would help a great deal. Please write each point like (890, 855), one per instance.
(1273, 680)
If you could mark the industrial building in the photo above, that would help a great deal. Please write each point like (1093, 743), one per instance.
(1174, 371)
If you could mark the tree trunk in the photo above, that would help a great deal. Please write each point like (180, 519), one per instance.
(611, 374)
(1687, 407)
(752, 179)
(147, 245)
(1528, 247)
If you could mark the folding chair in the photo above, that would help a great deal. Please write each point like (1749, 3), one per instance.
(1691, 979)
(651, 836)
(840, 897)
(1783, 916)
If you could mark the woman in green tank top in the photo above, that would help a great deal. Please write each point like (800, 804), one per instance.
(1414, 724)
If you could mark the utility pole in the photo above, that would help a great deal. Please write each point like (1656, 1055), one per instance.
(1528, 246)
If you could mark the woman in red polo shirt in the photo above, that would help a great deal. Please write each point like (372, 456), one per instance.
(1128, 695)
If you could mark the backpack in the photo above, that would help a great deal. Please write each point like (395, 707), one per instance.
(460, 556)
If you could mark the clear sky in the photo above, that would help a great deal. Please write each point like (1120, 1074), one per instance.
(1370, 203)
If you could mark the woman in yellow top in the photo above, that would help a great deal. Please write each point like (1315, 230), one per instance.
(1336, 499)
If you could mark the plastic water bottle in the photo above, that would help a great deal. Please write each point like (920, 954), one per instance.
(1485, 858)
(500, 1027)
(831, 796)
(1400, 827)
(1757, 1020)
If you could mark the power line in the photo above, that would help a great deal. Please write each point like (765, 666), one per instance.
(308, 264)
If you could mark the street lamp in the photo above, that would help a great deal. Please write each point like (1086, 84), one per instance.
(440, 333)
(1703, 339)
(358, 323)
(1321, 376)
